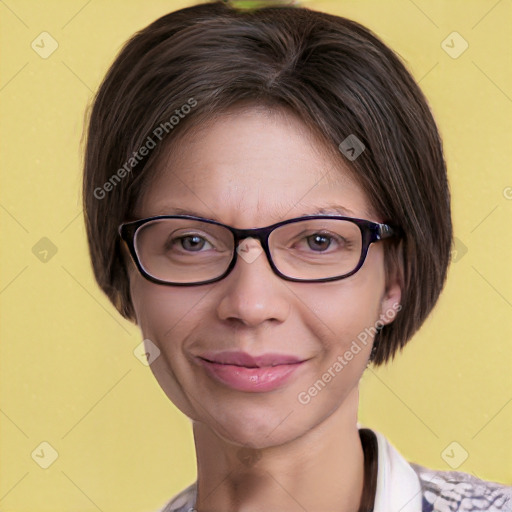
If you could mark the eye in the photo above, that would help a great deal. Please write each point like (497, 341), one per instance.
(190, 243)
(320, 242)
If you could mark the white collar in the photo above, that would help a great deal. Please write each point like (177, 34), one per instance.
(398, 485)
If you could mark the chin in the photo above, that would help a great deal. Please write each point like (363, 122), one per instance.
(259, 430)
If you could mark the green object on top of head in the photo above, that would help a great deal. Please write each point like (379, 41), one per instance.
(259, 4)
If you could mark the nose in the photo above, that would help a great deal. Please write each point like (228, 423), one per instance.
(252, 293)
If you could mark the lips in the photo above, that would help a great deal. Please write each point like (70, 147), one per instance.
(248, 361)
(244, 372)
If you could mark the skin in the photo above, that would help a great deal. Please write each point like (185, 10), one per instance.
(264, 451)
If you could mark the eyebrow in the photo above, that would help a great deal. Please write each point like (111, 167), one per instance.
(323, 210)
(330, 209)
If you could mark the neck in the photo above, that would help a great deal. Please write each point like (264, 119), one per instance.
(322, 469)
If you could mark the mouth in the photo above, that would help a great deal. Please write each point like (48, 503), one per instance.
(245, 360)
(243, 372)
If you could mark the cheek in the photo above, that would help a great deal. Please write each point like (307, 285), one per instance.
(167, 315)
(344, 309)
(342, 316)
(159, 308)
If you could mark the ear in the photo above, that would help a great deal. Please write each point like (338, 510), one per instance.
(390, 301)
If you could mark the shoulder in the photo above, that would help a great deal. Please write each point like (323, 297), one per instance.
(457, 491)
(182, 502)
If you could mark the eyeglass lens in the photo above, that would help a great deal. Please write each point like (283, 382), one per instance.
(188, 251)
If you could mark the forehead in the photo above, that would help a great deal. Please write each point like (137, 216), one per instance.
(252, 166)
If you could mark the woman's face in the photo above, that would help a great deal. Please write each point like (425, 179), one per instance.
(251, 170)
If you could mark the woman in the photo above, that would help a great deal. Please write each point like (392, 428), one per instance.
(265, 195)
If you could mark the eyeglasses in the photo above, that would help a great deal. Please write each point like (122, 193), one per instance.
(185, 250)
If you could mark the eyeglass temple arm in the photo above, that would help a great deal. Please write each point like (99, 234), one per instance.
(386, 231)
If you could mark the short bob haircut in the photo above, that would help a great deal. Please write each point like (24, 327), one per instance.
(331, 72)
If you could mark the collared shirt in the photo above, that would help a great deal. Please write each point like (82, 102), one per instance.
(408, 487)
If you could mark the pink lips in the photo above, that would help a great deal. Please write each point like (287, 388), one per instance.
(244, 372)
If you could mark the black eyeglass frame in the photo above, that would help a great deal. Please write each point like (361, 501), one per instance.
(371, 232)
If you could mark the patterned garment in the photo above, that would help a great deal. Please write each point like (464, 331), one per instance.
(407, 487)
(453, 491)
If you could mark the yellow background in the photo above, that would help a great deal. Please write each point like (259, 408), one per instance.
(69, 376)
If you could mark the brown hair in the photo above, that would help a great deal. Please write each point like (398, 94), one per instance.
(335, 74)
